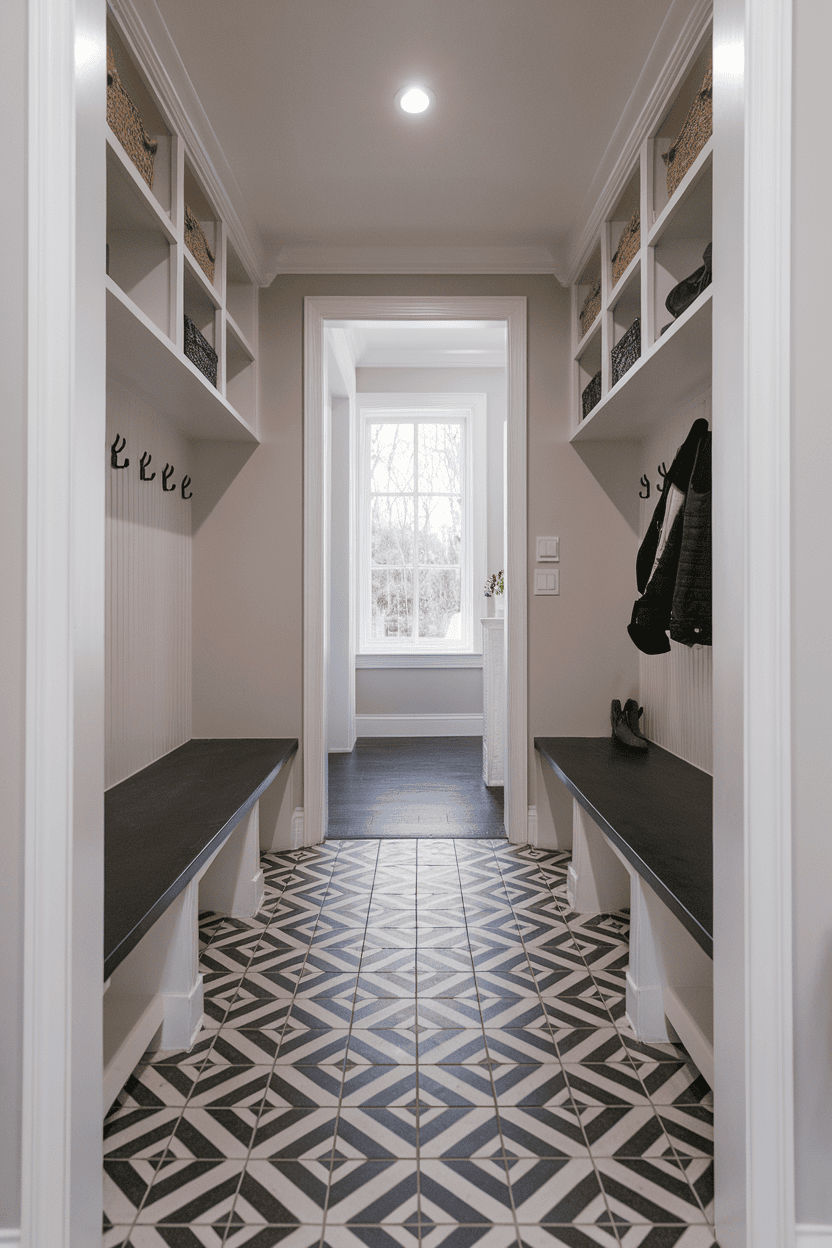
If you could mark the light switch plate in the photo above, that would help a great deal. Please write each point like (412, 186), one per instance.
(547, 582)
(548, 549)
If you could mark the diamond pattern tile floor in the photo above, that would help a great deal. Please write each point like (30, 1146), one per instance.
(415, 1044)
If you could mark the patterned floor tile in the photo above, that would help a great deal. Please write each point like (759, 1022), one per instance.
(389, 938)
(446, 1014)
(567, 1237)
(381, 1013)
(452, 1047)
(437, 985)
(212, 1134)
(382, 1047)
(185, 1192)
(674, 1083)
(465, 1191)
(157, 1087)
(607, 1083)
(235, 1047)
(458, 1132)
(282, 1192)
(690, 1128)
(380, 1086)
(384, 984)
(556, 1190)
(171, 1237)
(271, 1236)
(389, 1236)
(455, 1085)
(318, 1047)
(230, 1087)
(542, 1131)
(443, 937)
(667, 1237)
(543, 1084)
(372, 1192)
(377, 1132)
(576, 1012)
(625, 1131)
(297, 1134)
(514, 1013)
(327, 986)
(256, 1013)
(314, 1086)
(517, 1046)
(126, 1184)
(578, 1045)
(308, 1015)
(445, 1236)
(655, 1190)
(517, 982)
(131, 1132)
(389, 962)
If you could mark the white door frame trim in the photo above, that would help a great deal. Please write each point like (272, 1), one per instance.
(512, 310)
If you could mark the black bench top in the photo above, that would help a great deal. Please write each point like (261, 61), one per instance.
(657, 809)
(164, 823)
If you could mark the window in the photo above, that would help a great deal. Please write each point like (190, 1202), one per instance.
(420, 549)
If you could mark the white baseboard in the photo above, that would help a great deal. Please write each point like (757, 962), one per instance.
(10, 1236)
(296, 834)
(809, 1236)
(532, 833)
(421, 725)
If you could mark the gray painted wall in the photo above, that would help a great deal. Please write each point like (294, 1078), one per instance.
(811, 615)
(434, 691)
(13, 605)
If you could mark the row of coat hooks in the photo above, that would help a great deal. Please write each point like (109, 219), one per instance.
(645, 483)
(119, 445)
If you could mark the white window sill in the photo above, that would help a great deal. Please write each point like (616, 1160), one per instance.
(418, 660)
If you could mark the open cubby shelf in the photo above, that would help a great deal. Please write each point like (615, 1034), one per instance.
(675, 366)
(154, 281)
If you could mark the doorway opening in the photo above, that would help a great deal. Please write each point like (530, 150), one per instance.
(415, 476)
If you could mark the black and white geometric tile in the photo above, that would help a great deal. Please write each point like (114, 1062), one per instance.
(414, 1044)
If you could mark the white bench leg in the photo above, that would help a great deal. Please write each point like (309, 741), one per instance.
(597, 882)
(233, 883)
(646, 975)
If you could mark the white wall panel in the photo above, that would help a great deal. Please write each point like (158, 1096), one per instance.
(148, 655)
(676, 689)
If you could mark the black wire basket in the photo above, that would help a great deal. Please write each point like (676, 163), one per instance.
(200, 352)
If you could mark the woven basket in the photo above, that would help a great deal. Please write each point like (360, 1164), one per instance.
(197, 244)
(126, 124)
(200, 352)
(591, 395)
(698, 128)
(591, 308)
(628, 245)
(626, 351)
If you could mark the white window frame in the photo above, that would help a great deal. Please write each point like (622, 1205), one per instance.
(472, 409)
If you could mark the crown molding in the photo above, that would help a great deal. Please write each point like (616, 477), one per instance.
(149, 40)
(682, 31)
(536, 258)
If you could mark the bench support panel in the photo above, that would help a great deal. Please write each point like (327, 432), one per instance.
(597, 882)
(646, 975)
(233, 883)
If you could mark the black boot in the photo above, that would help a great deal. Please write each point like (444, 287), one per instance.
(634, 712)
(621, 730)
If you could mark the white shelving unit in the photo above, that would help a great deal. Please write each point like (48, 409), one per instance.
(674, 366)
(154, 281)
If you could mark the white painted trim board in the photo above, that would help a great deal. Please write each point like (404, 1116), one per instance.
(418, 725)
(812, 1236)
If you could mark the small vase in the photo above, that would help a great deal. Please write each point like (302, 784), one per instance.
(499, 605)
(490, 608)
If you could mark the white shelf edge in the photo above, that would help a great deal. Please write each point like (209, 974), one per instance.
(242, 340)
(621, 286)
(147, 326)
(583, 431)
(586, 341)
(683, 190)
(140, 188)
(211, 293)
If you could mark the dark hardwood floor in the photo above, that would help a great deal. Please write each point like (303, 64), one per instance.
(413, 787)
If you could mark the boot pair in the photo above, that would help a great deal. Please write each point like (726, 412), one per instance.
(625, 727)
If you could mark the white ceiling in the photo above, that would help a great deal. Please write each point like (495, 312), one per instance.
(300, 94)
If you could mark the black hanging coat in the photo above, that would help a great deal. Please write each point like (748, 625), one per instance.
(657, 562)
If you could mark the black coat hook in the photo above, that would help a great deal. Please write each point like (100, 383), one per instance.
(662, 471)
(186, 481)
(167, 473)
(143, 464)
(646, 484)
(115, 451)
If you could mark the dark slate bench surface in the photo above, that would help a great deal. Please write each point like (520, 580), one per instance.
(164, 823)
(657, 809)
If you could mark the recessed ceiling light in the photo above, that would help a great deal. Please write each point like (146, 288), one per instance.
(414, 99)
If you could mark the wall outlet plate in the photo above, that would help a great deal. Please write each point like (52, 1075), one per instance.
(548, 549)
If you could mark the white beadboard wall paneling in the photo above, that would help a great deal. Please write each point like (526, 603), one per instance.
(148, 641)
(676, 689)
